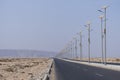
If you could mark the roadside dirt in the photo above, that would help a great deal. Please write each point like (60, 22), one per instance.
(23, 68)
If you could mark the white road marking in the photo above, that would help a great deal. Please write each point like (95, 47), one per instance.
(100, 75)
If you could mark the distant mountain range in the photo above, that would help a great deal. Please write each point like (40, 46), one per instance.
(25, 53)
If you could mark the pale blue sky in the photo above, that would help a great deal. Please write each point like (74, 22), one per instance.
(50, 24)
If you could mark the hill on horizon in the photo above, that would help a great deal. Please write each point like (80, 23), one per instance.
(10, 53)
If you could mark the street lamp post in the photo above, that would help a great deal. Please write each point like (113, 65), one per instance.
(88, 26)
(80, 34)
(101, 19)
(80, 45)
(71, 50)
(105, 7)
(105, 46)
(68, 51)
(75, 47)
(89, 39)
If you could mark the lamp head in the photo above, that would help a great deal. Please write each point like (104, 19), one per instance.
(102, 16)
(88, 23)
(104, 7)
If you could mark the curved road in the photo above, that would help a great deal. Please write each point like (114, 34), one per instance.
(73, 71)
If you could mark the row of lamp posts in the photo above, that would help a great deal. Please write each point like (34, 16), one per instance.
(72, 47)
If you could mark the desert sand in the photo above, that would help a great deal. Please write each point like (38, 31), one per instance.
(23, 68)
(112, 60)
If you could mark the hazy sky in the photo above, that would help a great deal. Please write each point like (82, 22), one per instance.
(50, 24)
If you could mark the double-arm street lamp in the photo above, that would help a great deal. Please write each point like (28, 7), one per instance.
(105, 46)
(105, 7)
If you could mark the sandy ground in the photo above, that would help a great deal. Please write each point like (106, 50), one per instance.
(23, 69)
(113, 60)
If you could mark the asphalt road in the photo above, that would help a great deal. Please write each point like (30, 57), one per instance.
(73, 71)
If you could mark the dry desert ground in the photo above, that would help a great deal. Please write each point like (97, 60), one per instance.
(23, 68)
(113, 60)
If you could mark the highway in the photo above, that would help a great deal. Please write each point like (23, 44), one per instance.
(73, 71)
